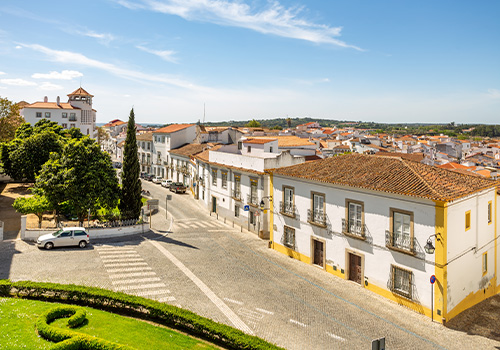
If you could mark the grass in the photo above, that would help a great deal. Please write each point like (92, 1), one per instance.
(17, 329)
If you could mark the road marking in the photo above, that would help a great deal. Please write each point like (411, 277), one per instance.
(235, 320)
(111, 245)
(162, 300)
(126, 264)
(264, 311)
(137, 280)
(217, 230)
(122, 260)
(126, 269)
(191, 219)
(234, 301)
(142, 286)
(298, 323)
(335, 336)
(116, 252)
(182, 225)
(152, 292)
(121, 256)
(132, 274)
(254, 315)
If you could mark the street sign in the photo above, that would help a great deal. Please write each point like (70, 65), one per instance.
(433, 279)
(169, 197)
(256, 213)
(246, 208)
(153, 204)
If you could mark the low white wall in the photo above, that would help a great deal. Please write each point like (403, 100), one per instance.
(109, 232)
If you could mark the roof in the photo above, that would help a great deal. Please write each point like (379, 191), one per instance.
(114, 122)
(203, 156)
(189, 149)
(172, 128)
(146, 136)
(416, 156)
(51, 105)
(453, 165)
(289, 141)
(258, 141)
(389, 174)
(80, 91)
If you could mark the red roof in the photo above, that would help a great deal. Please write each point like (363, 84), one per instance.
(258, 141)
(51, 105)
(81, 92)
(172, 128)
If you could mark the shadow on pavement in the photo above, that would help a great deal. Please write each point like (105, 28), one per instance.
(7, 252)
(11, 219)
(482, 319)
(161, 238)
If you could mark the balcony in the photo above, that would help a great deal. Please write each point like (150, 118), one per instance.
(316, 217)
(354, 230)
(287, 209)
(158, 161)
(400, 242)
(236, 194)
(72, 119)
(253, 200)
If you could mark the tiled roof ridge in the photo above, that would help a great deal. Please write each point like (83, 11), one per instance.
(408, 164)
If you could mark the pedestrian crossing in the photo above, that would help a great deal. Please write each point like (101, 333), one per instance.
(196, 224)
(130, 273)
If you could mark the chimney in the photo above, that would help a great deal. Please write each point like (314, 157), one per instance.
(58, 101)
(45, 99)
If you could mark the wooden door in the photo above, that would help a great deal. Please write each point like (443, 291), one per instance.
(355, 268)
(214, 205)
(318, 253)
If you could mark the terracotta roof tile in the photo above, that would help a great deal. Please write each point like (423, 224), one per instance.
(189, 149)
(289, 141)
(258, 141)
(80, 91)
(172, 128)
(51, 105)
(389, 174)
(146, 136)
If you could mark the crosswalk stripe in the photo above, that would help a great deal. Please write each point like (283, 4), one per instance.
(152, 292)
(162, 300)
(182, 225)
(137, 280)
(132, 274)
(126, 264)
(103, 253)
(121, 256)
(142, 286)
(122, 260)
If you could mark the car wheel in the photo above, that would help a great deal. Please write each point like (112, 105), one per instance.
(82, 244)
(49, 245)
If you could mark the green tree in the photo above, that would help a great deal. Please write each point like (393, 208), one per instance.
(253, 124)
(130, 199)
(81, 177)
(10, 119)
(33, 205)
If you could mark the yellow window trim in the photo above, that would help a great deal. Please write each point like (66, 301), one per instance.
(490, 212)
(467, 218)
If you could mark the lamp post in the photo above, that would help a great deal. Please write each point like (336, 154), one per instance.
(429, 247)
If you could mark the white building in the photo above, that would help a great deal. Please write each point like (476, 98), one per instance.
(145, 151)
(368, 219)
(76, 113)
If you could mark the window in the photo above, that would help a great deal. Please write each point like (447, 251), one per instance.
(270, 149)
(253, 198)
(467, 220)
(237, 187)
(163, 139)
(47, 114)
(489, 212)
(485, 263)
(214, 177)
(237, 211)
(249, 149)
(400, 236)
(240, 145)
(142, 144)
(224, 179)
(354, 222)
(72, 117)
(149, 145)
(288, 207)
(71, 126)
(38, 114)
(317, 212)
(289, 237)
(64, 125)
(401, 281)
(65, 115)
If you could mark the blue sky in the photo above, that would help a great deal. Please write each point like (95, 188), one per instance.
(386, 61)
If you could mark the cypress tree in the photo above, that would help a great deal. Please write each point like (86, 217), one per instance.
(130, 199)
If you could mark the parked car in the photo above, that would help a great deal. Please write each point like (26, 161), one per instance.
(166, 183)
(149, 177)
(157, 179)
(67, 236)
(143, 174)
(178, 187)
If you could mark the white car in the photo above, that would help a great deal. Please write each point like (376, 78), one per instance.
(67, 236)
(166, 183)
(157, 179)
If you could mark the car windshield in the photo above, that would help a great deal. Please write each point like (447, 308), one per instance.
(57, 233)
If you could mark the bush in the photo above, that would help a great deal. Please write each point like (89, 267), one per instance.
(138, 307)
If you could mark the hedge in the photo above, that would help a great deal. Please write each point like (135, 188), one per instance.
(67, 339)
(142, 308)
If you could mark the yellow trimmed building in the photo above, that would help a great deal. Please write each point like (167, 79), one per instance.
(389, 224)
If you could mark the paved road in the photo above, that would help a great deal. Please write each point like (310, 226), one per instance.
(232, 277)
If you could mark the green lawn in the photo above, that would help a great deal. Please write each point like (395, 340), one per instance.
(18, 317)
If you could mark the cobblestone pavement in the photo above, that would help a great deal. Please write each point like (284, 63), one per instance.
(213, 269)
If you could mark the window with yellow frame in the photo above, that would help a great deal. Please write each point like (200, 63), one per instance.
(485, 263)
(467, 220)
(490, 217)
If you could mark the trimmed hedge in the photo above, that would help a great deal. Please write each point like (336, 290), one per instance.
(67, 339)
(130, 305)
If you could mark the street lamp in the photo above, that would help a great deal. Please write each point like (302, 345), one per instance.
(262, 204)
(429, 247)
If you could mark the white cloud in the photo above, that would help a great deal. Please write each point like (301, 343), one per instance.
(79, 59)
(494, 93)
(103, 38)
(2, 73)
(17, 82)
(274, 19)
(64, 75)
(19, 47)
(166, 55)
(49, 86)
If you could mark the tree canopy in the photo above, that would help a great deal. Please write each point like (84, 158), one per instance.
(10, 119)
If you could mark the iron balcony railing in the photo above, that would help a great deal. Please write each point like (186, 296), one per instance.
(287, 209)
(350, 228)
(253, 199)
(399, 241)
(237, 194)
(316, 217)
